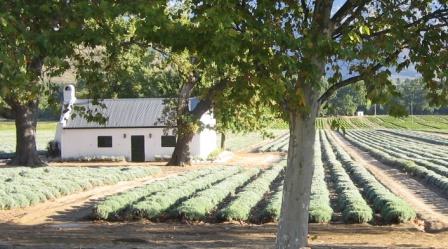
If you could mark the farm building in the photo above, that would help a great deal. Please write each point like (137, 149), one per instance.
(133, 130)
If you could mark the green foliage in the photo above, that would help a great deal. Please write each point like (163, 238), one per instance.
(408, 166)
(286, 65)
(202, 203)
(22, 187)
(245, 200)
(155, 205)
(354, 207)
(214, 154)
(112, 207)
(391, 207)
(347, 100)
(127, 72)
(320, 209)
(34, 38)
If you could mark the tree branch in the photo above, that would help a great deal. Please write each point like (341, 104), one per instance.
(343, 11)
(205, 104)
(306, 10)
(338, 31)
(441, 13)
(333, 88)
(436, 14)
(330, 91)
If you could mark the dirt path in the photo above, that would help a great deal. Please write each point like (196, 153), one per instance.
(430, 206)
(201, 236)
(249, 159)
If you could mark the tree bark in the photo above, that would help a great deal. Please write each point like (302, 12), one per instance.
(25, 113)
(181, 153)
(26, 122)
(293, 225)
(223, 141)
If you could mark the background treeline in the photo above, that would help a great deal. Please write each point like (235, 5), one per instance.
(411, 101)
(148, 76)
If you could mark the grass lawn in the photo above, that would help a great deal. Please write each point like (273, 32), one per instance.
(45, 132)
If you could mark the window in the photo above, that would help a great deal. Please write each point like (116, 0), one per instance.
(104, 141)
(168, 141)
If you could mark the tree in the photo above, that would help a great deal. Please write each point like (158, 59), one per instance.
(413, 96)
(347, 100)
(36, 39)
(283, 49)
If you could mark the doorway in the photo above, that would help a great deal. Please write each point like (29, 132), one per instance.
(137, 148)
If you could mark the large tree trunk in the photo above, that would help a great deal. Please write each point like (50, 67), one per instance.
(293, 225)
(181, 154)
(26, 122)
(25, 113)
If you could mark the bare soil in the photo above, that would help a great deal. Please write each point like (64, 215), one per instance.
(429, 205)
(64, 223)
(175, 235)
(261, 160)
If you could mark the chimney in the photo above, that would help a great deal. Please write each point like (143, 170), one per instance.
(69, 95)
(69, 100)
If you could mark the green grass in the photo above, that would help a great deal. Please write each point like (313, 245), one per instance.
(45, 133)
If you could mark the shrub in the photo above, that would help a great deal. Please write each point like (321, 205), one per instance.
(155, 205)
(53, 149)
(354, 208)
(214, 154)
(202, 203)
(240, 207)
(392, 208)
(429, 176)
(113, 206)
(22, 187)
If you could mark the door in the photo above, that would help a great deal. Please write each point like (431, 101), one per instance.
(138, 148)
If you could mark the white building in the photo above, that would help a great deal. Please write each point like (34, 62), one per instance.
(133, 130)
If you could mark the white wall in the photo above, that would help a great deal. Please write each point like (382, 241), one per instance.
(207, 142)
(77, 143)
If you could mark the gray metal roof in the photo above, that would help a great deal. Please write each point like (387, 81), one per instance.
(138, 112)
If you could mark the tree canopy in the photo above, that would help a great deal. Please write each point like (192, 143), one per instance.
(278, 51)
(282, 50)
